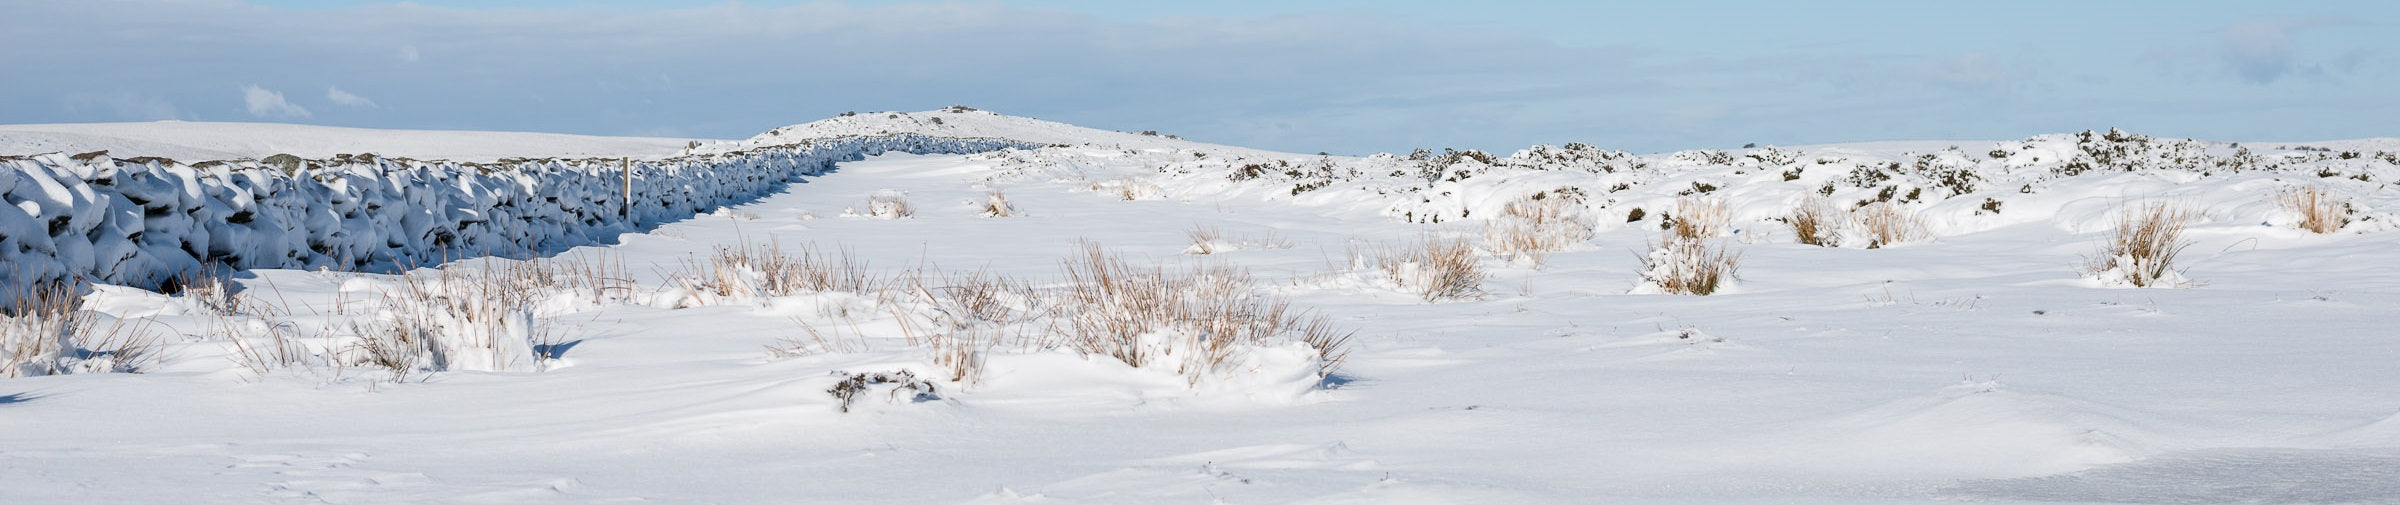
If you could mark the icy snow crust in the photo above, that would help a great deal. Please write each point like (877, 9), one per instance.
(1975, 360)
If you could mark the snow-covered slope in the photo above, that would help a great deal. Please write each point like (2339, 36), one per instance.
(965, 122)
(753, 353)
(204, 141)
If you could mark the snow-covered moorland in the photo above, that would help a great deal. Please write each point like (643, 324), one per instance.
(1030, 312)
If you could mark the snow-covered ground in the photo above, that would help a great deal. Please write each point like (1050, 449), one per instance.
(1975, 360)
(203, 141)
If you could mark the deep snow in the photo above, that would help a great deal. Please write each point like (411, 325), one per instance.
(1975, 364)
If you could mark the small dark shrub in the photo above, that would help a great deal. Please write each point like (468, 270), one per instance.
(848, 389)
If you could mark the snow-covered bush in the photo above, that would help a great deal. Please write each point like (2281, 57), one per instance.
(847, 391)
(46, 331)
(2141, 250)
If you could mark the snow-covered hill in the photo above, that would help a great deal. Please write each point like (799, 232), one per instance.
(964, 122)
(205, 141)
(1033, 312)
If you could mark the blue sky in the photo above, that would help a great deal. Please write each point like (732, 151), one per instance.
(1341, 76)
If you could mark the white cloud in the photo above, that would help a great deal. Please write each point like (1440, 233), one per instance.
(265, 102)
(409, 54)
(345, 99)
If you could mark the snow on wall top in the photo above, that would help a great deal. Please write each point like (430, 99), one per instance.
(207, 141)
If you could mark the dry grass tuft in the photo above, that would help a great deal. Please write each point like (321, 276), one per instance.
(1436, 268)
(1816, 222)
(1687, 266)
(454, 319)
(1698, 218)
(2318, 209)
(1197, 323)
(1194, 322)
(889, 205)
(1204, 239)
(208, 287)
(995, 204)
(1129, 188)
(1208, 240)
(45, 330)
(1887, 223)
(1528, 228)
(2141, 250)
(744, 273)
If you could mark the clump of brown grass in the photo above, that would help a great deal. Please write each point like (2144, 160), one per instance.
(1687, 266)
(44, 330)
(1208, 240)
(2141, 249)
(208, 287)
(1204, 239)
(1528, 228)
(995, 204)
(457, 318)
(1194, 321)
(889, 205)
(1887, 223)
(2319, 210)
(1816, 222)
(743, 273)
(1698, 218)
(1128, 188)
(1435, 268)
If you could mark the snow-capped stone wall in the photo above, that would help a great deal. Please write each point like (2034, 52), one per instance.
(144, 221)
